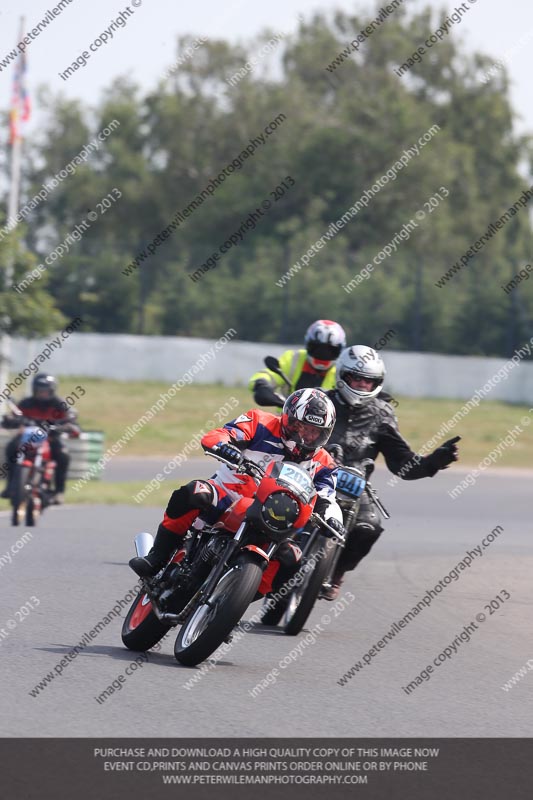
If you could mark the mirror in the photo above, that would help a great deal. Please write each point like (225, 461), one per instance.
(272, 363)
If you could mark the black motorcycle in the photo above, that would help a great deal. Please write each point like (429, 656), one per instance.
(320, 555)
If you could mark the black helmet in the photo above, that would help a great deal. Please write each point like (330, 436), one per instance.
(307, 422)
(41, 382)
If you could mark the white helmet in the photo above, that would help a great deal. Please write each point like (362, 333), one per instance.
(355, 363)
(324, 341)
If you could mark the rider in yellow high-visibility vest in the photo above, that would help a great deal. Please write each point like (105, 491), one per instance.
(311, 368)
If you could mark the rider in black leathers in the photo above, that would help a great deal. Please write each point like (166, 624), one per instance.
(366, 426)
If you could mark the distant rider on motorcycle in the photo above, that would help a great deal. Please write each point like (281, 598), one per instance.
(298, 435)
(43, 406)
(313, 367)
(365, 426)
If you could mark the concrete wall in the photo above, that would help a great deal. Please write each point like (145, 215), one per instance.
(167, 358)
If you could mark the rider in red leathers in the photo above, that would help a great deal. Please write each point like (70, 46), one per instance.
(298, 435)
(44, 406)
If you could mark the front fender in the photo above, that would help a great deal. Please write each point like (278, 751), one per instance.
(260, 556)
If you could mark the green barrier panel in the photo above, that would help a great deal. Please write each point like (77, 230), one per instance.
(85, 451)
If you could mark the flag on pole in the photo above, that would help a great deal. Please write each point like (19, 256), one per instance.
(20, 100)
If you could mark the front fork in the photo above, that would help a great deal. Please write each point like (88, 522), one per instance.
(207, 588)
(40, 482)
(31, 485)
(209, 584)
(348, 521)
(215, 575)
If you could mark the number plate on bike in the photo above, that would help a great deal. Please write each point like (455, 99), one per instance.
(349, 483)
(298, 480)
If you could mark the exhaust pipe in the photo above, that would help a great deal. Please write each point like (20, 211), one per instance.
(143, 544)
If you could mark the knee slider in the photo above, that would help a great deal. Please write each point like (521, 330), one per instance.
(201, 494)
(179, 503)
(288, 554)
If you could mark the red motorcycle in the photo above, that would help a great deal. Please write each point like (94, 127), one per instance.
(210, 582)
(33, 473)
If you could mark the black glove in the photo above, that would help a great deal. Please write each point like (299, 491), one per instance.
(9, 421)
(443, 456)
(336, 452)
(228, 452)
(336, 525)
(264, 395)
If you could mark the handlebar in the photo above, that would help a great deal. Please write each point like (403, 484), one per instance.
(20, 421)
(317, 520)
(336, 451)
(373, 496)
(247, 466)
(28, 421)
(250, 467)
(368, 466)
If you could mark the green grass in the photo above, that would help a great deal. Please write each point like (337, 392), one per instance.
(113, 405)
(96, 492)
(481, 430)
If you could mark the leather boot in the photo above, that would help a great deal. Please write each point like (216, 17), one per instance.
(332, 592)
(165, 544)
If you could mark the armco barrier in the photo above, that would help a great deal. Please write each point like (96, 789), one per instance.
(147, 358)
(85, 451)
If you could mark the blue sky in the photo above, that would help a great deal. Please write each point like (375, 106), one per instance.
(145, 47)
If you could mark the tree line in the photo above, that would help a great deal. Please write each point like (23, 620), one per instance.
(345, 131)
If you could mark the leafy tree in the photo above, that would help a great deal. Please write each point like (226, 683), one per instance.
(342, 130)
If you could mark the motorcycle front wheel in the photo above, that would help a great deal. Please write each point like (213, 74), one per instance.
(303, 597)
(20, 494)
(33, 512)
(211, 622)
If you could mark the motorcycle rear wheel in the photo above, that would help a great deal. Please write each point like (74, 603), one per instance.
(275, 612)
(211, 622)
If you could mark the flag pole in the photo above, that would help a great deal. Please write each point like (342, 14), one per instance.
(12, 210)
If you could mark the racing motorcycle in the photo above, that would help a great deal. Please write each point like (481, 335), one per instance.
(218, 571)
(33, 473)
(320, 555)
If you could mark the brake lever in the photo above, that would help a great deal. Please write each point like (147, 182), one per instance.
(373, 496)
(323, 524)
(244, 467)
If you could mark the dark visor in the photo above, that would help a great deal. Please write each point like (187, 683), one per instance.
(324, 352)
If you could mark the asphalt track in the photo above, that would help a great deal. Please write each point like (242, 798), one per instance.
(75, 565)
